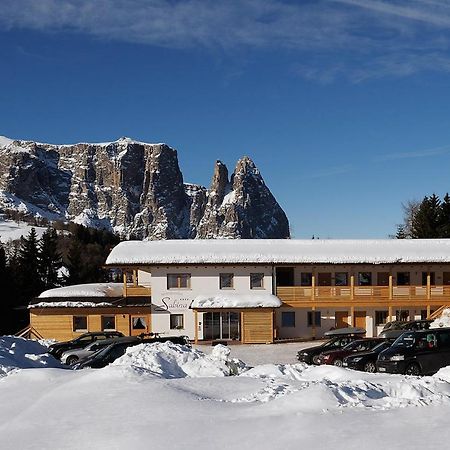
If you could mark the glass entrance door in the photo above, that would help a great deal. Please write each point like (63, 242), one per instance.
(221, 325)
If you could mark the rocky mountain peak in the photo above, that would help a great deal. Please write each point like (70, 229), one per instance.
(136, 189)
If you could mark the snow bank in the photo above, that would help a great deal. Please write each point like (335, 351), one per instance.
(85, 290)
(236, 301)
(278, 251)
(20, 353)
(443, 321)
(168, 360)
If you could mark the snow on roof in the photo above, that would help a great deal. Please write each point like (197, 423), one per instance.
(236, 301)
(69, 304)
(280, 251)
(85, 290)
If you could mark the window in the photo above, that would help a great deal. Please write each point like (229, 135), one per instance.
(139, 323)
(176, 321)
(432, 278)
(402, 315)
(108, 323)
(403, 279)
(314, 318)
(178, 280)
(341, 279)
(381, 317)
(256, 281)
(306, 279)
(226, 280)
(288, 319)
(80, 323)
(364, 278)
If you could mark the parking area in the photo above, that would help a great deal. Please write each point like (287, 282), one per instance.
(256, 354)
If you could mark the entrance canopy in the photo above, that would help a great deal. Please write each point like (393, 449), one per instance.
(235, 301)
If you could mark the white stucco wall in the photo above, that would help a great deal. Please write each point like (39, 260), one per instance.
(204, 280)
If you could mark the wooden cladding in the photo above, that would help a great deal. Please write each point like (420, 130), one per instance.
(257, 326)
(298, 296)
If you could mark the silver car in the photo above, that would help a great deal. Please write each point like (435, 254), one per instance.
(70, 357)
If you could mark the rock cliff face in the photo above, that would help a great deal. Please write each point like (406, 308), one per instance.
(136, 189)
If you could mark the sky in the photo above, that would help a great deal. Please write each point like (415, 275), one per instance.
(343, 105)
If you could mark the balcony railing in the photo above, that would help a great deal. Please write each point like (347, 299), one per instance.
(308, 295)
(133, 290)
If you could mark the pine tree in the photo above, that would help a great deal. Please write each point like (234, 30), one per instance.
(444, 218)
(28, 267)
(75, 263)
(49, 259)
(401, 233)
(426, 220)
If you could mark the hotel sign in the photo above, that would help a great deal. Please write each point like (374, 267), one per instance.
(174, 304)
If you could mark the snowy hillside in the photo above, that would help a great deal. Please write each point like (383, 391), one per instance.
(10, 230)
(178, 398)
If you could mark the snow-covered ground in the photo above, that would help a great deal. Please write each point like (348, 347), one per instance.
(10, 230)
(168, 397)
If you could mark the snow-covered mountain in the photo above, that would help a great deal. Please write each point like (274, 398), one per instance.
(136, 189)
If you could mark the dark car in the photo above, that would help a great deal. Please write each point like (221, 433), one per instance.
(85, 339)
(335, 357)
(311, 355)
(417, 353)
(398, 328)
(366, 361)
(117, 349)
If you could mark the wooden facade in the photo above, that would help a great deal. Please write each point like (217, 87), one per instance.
(57, 323)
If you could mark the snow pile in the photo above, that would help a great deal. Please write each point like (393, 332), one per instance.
(443, 321)
(329, 387)
(168, 360)
(236, 301)
(20, 353)
(85, 290)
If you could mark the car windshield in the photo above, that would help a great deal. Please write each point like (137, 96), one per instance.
(381, 346)
(405, 340)
(352, 346)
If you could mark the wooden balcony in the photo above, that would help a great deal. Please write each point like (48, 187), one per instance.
(371, 296)
(134, 290)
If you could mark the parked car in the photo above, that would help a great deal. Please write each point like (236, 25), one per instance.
(117, 349)
(417, 353)
(335, 357)
(82, 341)
(398, 328)
(74, 355)
(366, 361)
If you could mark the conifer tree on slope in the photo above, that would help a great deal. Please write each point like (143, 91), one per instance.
(50, 260)
(28, 267)
(444, 218)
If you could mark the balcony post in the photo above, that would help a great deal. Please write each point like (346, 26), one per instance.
(391, 287)
(352, 316)
(134, 277)
(428, 311)
(313, 329)
(196, 326)
(124, 283)
(352, 287)
(428, 285)
(390, 314)
(313, 287)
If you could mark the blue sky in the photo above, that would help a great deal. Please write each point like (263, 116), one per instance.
(343, 105)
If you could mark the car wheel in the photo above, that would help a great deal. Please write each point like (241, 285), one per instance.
(71, 360)
(315, 360)
(370, 367)
(338, 362)
(413, 369)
